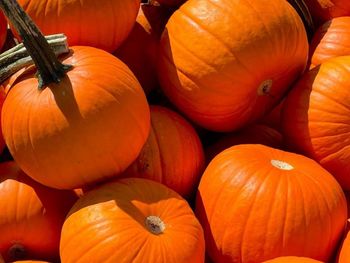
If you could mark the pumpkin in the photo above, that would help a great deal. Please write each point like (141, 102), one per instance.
(332, 39)
(292, 260)
(315, 117)
(139, 50)
(223, 75)
(90, 126)
(256, 203)
(172, 155)
(133, 220)
(104, 24)
(273, 119)
(324, 10)
(31, 215)
(252, 134)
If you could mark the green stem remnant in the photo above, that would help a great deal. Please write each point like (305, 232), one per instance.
(50, 69)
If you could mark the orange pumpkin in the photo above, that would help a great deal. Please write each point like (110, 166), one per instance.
(173, 154)
(316, 118)
(332, 39)
(274, 118)
(324, 10)
(292, 260)
(31, 215)
(103, 24)
(133, 220)
(256, 203)
(223, 75)
(90, 126)
(139, 50)
(252, 134)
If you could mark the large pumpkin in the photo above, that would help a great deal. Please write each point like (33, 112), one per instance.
(292, 260)
(226, 63)
(324, 10)
(103, 24)
(256, 203)
(173, 154)
(316, 117)
(332, 39)
(132, 220)
(31, 216)
(90, 126)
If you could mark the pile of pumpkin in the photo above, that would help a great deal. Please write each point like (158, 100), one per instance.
(175, 131)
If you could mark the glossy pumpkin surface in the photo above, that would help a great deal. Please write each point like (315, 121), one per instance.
(90, 126)
(223, 75)
(31, 215)
(256, 203)
(173, 154)
(103, 24)
(332, 39)
(113, 223)
(316, 118)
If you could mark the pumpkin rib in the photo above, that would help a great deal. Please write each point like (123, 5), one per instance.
(252, 204)
(224, 44)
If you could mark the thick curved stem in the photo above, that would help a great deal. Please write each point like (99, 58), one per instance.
(50, 69)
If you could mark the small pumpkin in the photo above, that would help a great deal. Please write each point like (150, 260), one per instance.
(104, 24)
(134, 220)
(324, 10)
(72, 128)
(224, 64)
(316, 120)
(332, 39)
(344, 248)
(256, 203)
(292, 260)
(172, 155)
(31, 215)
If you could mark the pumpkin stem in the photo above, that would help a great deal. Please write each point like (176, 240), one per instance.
(17, 252)
(155, 225)
(17, 57)
(50, 69)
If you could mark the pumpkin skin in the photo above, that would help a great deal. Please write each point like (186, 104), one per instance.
(104, 24)
(223, 75)
(252, 134)
(2, 99)
(344, 249)
(315, 117)
(256, 203)
(292, 260)
(332, 39)
(324, 10)
(139, 50)
(89, 127)
(109, 224)
(32, 215)
(172, 155)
